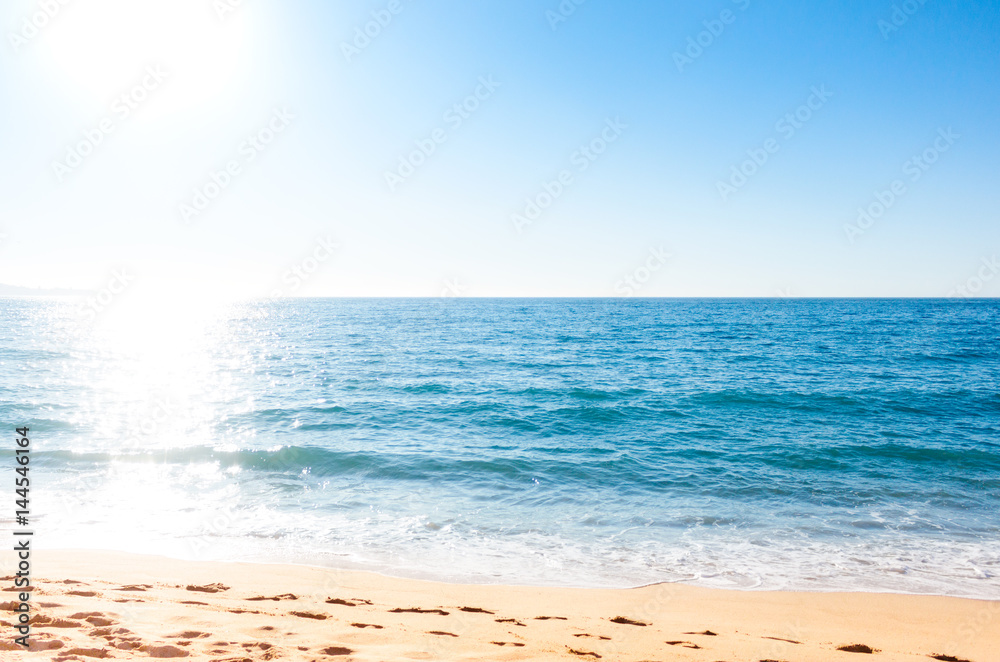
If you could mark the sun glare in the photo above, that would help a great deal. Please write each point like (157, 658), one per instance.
(104, 47)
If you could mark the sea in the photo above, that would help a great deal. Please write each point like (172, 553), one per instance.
(798, 444)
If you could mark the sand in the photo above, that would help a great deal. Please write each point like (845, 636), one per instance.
(91, 605)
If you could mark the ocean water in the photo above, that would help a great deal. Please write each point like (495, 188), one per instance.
(754, 444)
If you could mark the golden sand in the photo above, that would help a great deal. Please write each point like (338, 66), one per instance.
(93, 605)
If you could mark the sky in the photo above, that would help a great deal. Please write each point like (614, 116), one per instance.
(258, 148)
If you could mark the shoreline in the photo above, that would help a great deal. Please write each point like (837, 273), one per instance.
(389, 573)
(89, 604)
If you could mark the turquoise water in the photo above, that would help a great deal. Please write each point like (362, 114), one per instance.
(803, 444)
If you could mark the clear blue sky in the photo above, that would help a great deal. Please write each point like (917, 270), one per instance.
(659, 212)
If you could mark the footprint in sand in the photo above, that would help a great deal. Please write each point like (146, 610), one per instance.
(418, 610)
(550, 618)
(97, 621)
(85, 652)
(621, 620)
(337, 650)
(858, 648)
(83, 594)
(709, 633)
(947, 658)
(573, 651)
(276, 598)
(511, 620)
(35, 644)
(119, 632)
(134, 587)
(685, 644)
(165, 650)
(507, 643)
(475, 610)
(338, 601)
(366, 625)
(189, 634)
(309, 614)
(41, 620)
(95, 618)
(208, 588)
(443, 634)
(596, 636)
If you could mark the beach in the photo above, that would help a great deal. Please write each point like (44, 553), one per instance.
(562, 330)
(94, 604)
